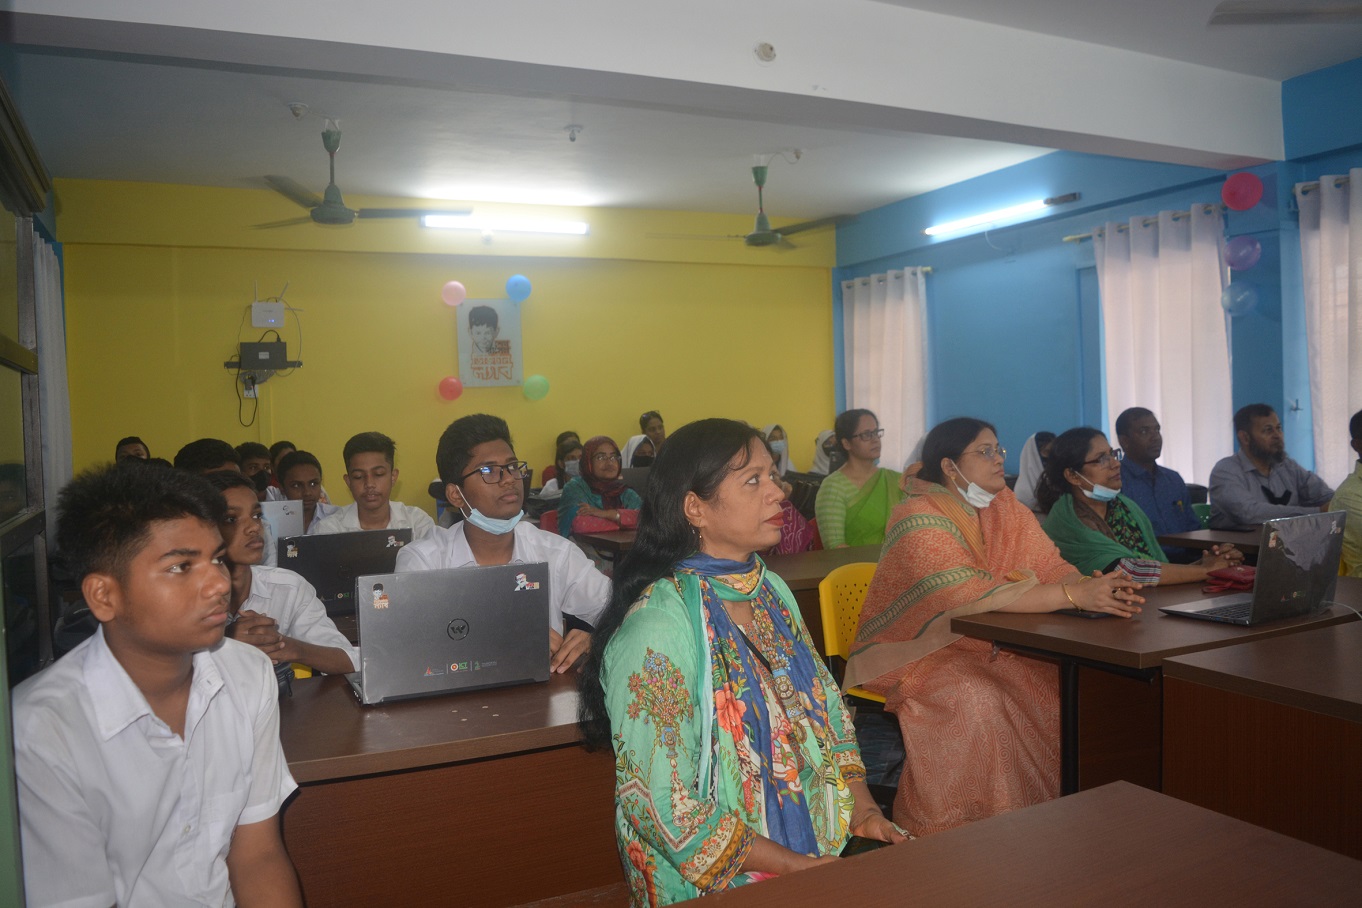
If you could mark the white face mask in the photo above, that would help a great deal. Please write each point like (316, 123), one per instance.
(976, 496)
(1098, 492)
(573, 468)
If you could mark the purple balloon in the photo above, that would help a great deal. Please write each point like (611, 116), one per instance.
(1243, 252)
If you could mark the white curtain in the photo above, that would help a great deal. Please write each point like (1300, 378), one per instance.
(884, 338)
(54, 392)
(1331, 259)
(1165, 337)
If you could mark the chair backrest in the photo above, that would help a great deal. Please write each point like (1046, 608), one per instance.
(840, 597)
(548, 521)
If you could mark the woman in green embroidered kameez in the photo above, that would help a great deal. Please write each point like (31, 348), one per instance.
(1096, 528)
(854, 501)
(735, 758)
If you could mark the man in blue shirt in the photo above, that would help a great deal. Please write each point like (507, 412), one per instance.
(1159, 491)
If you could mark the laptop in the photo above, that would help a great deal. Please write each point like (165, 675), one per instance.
(285, 518)
(333, 561)
(434, 632)
(1297, 573)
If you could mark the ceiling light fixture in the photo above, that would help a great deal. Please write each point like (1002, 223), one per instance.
(493, 224)
(1002, 215)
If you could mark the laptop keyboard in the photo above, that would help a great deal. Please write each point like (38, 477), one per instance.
(1232, 611)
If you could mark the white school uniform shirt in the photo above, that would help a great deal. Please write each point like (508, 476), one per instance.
(114, 807)
(290, 600)
(322, 512)
(400, 517)
(575, 586)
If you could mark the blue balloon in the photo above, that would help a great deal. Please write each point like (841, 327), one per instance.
(518, 287)
(1239, 299)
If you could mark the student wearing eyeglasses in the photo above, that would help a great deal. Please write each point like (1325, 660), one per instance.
(1099, 529)
(854, 501)
(484, 481)
(598, 500)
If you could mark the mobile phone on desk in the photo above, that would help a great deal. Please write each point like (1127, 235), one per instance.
(858, 844)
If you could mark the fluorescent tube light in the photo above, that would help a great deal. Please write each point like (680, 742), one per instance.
(988, 219)
(493, 224)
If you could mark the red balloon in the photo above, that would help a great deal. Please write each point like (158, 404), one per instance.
(450, 388)
(1242, 191)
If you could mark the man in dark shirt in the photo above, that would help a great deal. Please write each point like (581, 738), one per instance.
(1159, 491)
(1260, 482)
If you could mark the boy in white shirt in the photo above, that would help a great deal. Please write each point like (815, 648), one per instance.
(274, 609)
(485, 482)
(370, 475)
(148, 759)
(300, 476)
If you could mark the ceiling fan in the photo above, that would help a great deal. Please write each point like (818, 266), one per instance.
(330, 208)
(1286, 12)
(762, 234)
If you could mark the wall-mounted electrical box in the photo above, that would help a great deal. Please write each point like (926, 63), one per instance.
(267, 315)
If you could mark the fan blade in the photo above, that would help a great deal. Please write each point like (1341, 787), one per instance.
(694, 236)
(294, 191)
(409, 212)
(289, 223)
(831, 221)
(1278, 12)
(782, 244)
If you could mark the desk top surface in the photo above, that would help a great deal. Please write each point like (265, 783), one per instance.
(1143, 642)
(327, 734)
(1116, 845)
(1245, 540)
(1319, 670)
(806, 570)
(614, 541)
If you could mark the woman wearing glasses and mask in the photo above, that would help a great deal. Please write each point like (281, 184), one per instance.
(981, 729)
(735, 758)
(1099, 529)
(598, 501)
(485, 482)
(854, 501)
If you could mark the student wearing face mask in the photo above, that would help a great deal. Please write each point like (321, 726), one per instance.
(980, 728)
(1097, 528)
(567, 466)
(484, 481)
(779, 444)
(639, 451)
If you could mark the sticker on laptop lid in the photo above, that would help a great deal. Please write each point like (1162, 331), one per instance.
(380, 597)
(524, 583)
(393, 543)
(291, 551)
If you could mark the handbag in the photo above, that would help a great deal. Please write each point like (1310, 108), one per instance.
(1235, 578)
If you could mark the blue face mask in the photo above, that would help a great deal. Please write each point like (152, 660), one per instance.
(494, 525)
(1098, 492)
(779, 446)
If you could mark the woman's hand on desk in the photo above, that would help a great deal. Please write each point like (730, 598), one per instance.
(1221, 556)
(564, 651)
(1113, 593)
(877, 826)
(610, 514)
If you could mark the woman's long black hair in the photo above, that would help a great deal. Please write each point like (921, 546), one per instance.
(949, 441)
(696, 458)
(1067, 453)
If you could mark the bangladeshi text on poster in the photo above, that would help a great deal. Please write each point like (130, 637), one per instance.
(489, 343)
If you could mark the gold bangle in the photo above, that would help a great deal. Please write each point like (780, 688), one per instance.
(1065, 588)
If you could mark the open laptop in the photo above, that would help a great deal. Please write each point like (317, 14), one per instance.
(333, 561)
(434, 632)
(1297, 573)
(285, 518)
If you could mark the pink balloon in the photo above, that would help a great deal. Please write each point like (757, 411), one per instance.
(450, 388)
(1242, 191)
(1243, 252)
(453, 293)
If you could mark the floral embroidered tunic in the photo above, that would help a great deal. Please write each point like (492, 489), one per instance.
(722, 733)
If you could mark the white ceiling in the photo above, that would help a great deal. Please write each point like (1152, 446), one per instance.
(99, 114)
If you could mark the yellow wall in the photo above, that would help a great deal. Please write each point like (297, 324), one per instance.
(158, 279)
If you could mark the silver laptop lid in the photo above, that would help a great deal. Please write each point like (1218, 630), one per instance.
(284, 517)
(431, 632)
(1297, 568)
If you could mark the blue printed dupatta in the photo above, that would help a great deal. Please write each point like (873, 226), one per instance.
(767, 687)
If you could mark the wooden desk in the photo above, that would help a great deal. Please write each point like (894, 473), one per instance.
(803, 572)
(616, 543)
(1245, 541)
(1135, 649)
(482, 799)
(1119, 845)
(1271, 732)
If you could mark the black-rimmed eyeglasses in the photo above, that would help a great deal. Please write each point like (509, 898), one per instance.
(492, 473)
